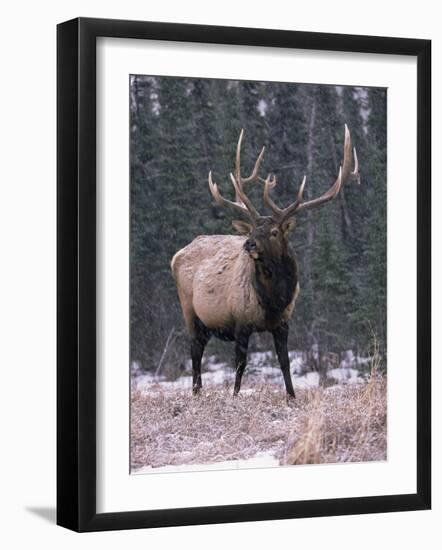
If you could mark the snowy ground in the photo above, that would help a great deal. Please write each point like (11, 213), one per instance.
(262, 367)
(262, 459)
(173, 431)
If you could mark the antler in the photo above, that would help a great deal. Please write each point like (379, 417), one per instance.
(280, 213)
(254, 175)
(252, 214)
(345, 173)
(242, 204)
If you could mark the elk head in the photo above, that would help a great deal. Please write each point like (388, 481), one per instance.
(268, 235)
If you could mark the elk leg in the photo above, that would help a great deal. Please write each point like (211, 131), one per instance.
(280, 336)
(242, 343)
(199, 341)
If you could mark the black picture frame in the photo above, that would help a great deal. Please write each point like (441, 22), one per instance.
(76, 274)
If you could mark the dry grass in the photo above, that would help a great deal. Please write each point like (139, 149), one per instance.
(335, 424)
(343, 424)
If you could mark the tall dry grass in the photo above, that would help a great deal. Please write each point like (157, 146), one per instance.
(342, 424)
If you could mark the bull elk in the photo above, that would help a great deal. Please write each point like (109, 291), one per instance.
(231, 286)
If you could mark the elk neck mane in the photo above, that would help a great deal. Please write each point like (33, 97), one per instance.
(275, 281)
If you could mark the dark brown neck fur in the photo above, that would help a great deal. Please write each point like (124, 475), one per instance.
(275, 284)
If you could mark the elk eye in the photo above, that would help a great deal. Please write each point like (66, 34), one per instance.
(274, 233)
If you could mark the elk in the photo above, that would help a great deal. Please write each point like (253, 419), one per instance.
(231, 286)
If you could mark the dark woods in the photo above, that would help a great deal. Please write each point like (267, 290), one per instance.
(182, 128)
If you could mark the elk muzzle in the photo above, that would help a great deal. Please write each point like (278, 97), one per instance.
(251, 247)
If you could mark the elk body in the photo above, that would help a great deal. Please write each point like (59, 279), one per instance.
(231, 286)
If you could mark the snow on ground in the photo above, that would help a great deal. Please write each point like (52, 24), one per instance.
(264, 459)
(345, 376)
(262, 367)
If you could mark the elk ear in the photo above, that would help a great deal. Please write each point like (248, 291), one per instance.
(243, 228)
(288, 226)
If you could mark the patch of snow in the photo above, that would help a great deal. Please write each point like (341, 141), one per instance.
(363, 360)
(135, 369)
(260, 358)
(181, 383)
(146, 379)
(211, 378)
(262, 367)
(361, 96)
(315, 352)
(263, 459)
(218, 377)
(262, 107)
(267, 372)
(309, 380)
(297, 362)
(248, 391)
(216, 366)
(345, 376)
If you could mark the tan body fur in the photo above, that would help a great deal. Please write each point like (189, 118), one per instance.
(214, 277)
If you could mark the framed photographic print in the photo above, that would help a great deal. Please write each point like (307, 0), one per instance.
(243, 274)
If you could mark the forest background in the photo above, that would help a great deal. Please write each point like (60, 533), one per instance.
(180, 128)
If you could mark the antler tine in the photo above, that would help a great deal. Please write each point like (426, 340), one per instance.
(282, 213)
(230, 204)
(242, 203)
(345, 173)
(301, 190)
(269, 183)
(327, 196)
(243, 198)
(238, 181)
(348, 148)
(355, 175)
(238, 156)
(254, 174)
